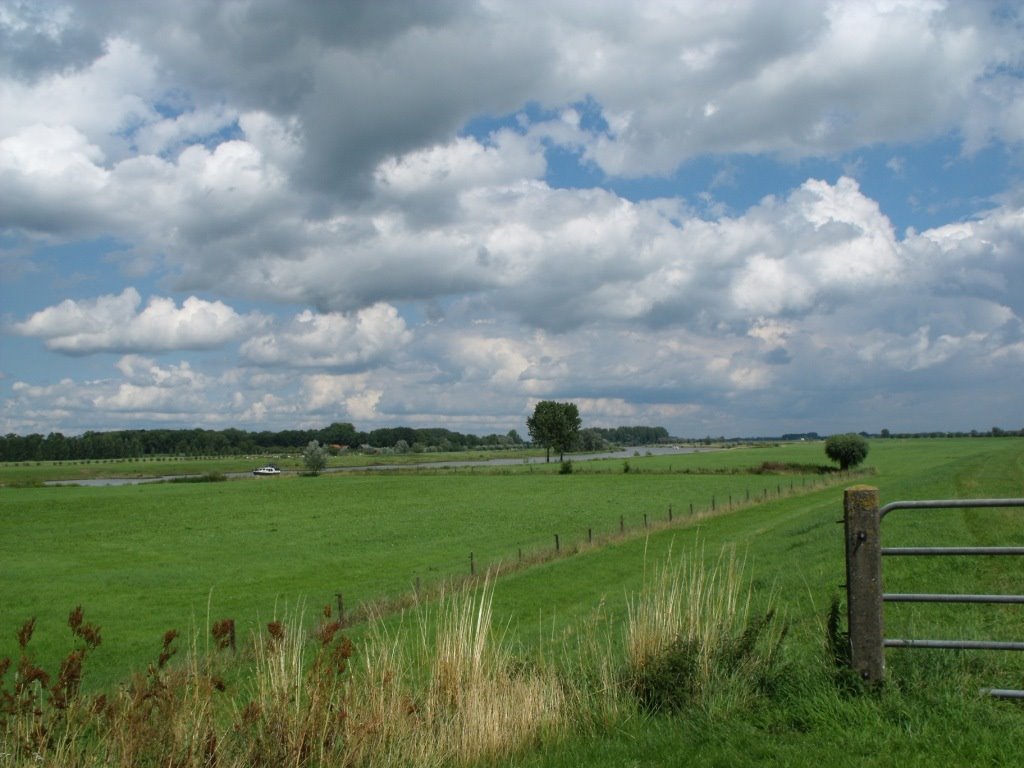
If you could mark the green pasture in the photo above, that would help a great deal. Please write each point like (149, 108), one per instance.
(793, 545)
(144, 559)
(147, 558)
(931, 711)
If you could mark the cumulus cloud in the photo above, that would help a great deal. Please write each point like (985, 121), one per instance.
(352, 396)
(333, 340)
(671, 81)
(440, 200)
(801, 79)
(146, 392)
(116, 324)
(103, 100)
(442, 216)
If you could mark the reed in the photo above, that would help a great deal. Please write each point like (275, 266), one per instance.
(692, 639)
(455, 696)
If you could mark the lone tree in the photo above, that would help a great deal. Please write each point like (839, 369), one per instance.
(555, 425)
(849, 449)
(314, 456)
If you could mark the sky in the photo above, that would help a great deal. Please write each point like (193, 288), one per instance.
(734, 218)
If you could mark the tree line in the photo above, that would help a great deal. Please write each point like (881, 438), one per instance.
(139, 443)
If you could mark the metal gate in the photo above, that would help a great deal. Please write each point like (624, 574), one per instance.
(864, 551)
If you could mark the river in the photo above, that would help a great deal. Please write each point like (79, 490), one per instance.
(625, 453)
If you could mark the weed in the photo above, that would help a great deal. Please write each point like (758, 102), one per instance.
(223, 632)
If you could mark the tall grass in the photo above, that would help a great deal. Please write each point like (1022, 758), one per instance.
(456, 696)
(692, 640)
(439, 688)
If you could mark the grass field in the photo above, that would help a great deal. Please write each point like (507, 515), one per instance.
(144, 559)
(148, 558)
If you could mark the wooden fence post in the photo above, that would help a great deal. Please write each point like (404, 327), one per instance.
(864, 582)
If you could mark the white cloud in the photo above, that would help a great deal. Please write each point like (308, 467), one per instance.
(131, 398)
(165, 135)
(803, 78)
(187, 209)
(333, 340)
(332, 165)
(464, 163)
(104, 101)
(115, 323)
(671, 80)
(352, 397)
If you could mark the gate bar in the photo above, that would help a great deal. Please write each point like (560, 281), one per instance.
(965, 645)
(949, 504)
(897, 597)
(1003, 693)
(953, 550)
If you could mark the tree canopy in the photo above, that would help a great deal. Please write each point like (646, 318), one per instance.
(848, 450)
(314, 456)
(555, 425)
(139, 443)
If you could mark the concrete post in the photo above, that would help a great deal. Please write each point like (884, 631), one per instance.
(864, 582)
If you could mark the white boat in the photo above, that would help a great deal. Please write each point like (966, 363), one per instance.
(269, 469)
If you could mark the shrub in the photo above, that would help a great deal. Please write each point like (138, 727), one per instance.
(847, 450)
(314, 456)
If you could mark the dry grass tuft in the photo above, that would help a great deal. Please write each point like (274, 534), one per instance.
(691, 638)
(456, 697)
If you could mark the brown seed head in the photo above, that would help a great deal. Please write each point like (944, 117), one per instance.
(25, 633)
(276, 630)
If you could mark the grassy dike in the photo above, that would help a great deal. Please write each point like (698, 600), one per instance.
(142, 560)
(573, 620)
(929, 713)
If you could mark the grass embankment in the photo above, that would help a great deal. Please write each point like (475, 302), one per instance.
(440, 689)
(784, 702)
(142, 560)
(931, 711)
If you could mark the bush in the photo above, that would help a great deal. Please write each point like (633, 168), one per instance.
(566, 468)
(314, 456)
(209, 477)
(848, 450)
